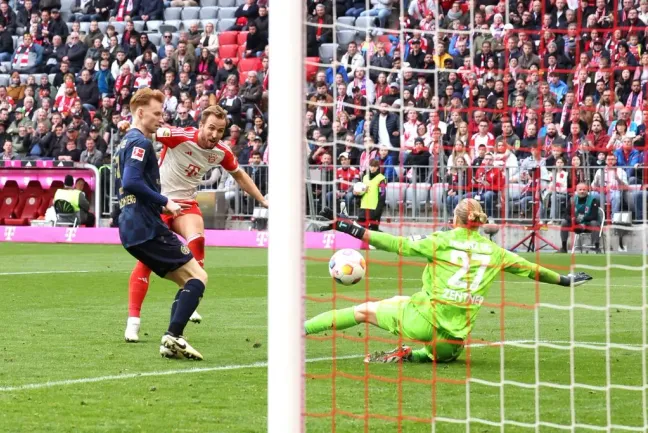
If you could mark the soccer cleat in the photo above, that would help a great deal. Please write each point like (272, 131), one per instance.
(132, 330)
(195, 317)
(178, 348)
(402, 353)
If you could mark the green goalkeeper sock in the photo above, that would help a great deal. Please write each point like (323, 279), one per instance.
(338, 319)
(420, 355)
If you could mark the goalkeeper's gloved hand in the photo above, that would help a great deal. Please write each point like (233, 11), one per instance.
(578, 279)
(347, 227)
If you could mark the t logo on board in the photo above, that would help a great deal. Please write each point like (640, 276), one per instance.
(328, 239)
(9, 233)
(70, 234)
(262, 239)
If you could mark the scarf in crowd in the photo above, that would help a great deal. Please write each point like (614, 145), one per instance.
(21, 57)
(634, 100)
(125, 7)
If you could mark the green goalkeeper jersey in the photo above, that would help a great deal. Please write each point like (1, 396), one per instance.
(462, 264)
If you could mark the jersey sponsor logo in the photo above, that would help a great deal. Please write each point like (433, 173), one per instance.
(192, 170)
(138, 153)
(164, 132)
(185, 250)
(462, 297)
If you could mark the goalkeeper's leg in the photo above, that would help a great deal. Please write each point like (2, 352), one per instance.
(349, 317)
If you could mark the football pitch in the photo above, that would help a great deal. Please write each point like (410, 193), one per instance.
(64, 366)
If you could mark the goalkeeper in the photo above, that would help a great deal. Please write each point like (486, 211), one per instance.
(462, 264)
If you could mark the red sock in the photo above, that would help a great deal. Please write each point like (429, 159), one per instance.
(137, 287)
(197, 248)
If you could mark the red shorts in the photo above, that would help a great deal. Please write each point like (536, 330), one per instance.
(194, 209)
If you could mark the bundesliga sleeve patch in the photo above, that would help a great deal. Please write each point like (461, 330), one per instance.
(138, 153)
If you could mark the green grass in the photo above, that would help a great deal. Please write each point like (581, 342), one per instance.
(66, 326)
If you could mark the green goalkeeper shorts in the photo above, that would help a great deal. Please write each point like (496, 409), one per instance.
(400, 317)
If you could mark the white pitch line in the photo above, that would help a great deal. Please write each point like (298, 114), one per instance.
(51, 384)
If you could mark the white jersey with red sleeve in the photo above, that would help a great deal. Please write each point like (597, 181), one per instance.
(183, 163)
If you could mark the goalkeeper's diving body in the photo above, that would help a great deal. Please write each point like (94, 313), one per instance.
(461, 266)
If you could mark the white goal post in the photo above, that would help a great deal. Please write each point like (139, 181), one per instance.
(286, 219)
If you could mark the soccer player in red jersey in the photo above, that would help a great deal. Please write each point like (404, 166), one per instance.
(187, 155)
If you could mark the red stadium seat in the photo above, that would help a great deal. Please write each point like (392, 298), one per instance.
(27, 210)
(34, 188)
(228, 51)
(311, 70)
(251, 64)
(241, 52)
(8, 204)
(242, 38)
(11, 186)
(227, 38)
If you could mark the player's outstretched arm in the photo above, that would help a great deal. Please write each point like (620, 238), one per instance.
(248, 185)
(403, 246)
(517, 265)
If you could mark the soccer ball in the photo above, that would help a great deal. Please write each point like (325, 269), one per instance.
(359, 188)
(347, 267)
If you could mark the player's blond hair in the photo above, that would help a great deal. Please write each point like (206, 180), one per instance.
(143, 97)
(469, 213)
(214, 110)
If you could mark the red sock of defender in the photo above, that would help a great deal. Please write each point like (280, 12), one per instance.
(137, 287)
(197, 248)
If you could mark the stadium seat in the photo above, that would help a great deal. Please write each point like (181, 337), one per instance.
(15, 41)
(23, 78)
(4, 80)
(242, 38)
(51, 77)
(139, 26)
(8, 204)
(166, 27)
(240, 2)
(312, 68)
(251, 64)
(103, 25)
(47, 199)
(11, 186)
(214, 21)
(345, 37)
(417, 194)
(66, 16)
(347, 21)
(85, 27)
(25, 211)
(227, 38)
(155, 38)
(172, 13)
(69, 26)
(190, 13)
(228, 51)
(33, 187)
(20, 31)
(226, 13)
(395, 194)
(154, 26)
(208, 3)
(208, 12)
(241, 51)
(119, 26)
(226, 3)
(6, 65)
(225, 24)
(365, 24)
(328, 52)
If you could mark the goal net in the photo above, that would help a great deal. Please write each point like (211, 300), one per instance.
(515, 104)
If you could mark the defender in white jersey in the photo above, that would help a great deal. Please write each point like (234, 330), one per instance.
(187, 155)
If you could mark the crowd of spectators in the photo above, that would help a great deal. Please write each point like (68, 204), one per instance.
(515, 113)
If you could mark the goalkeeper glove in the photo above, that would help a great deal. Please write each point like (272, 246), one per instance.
(578, 279)
(341, 226)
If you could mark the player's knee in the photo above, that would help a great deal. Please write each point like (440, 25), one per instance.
(200, 274)
(361, 312)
